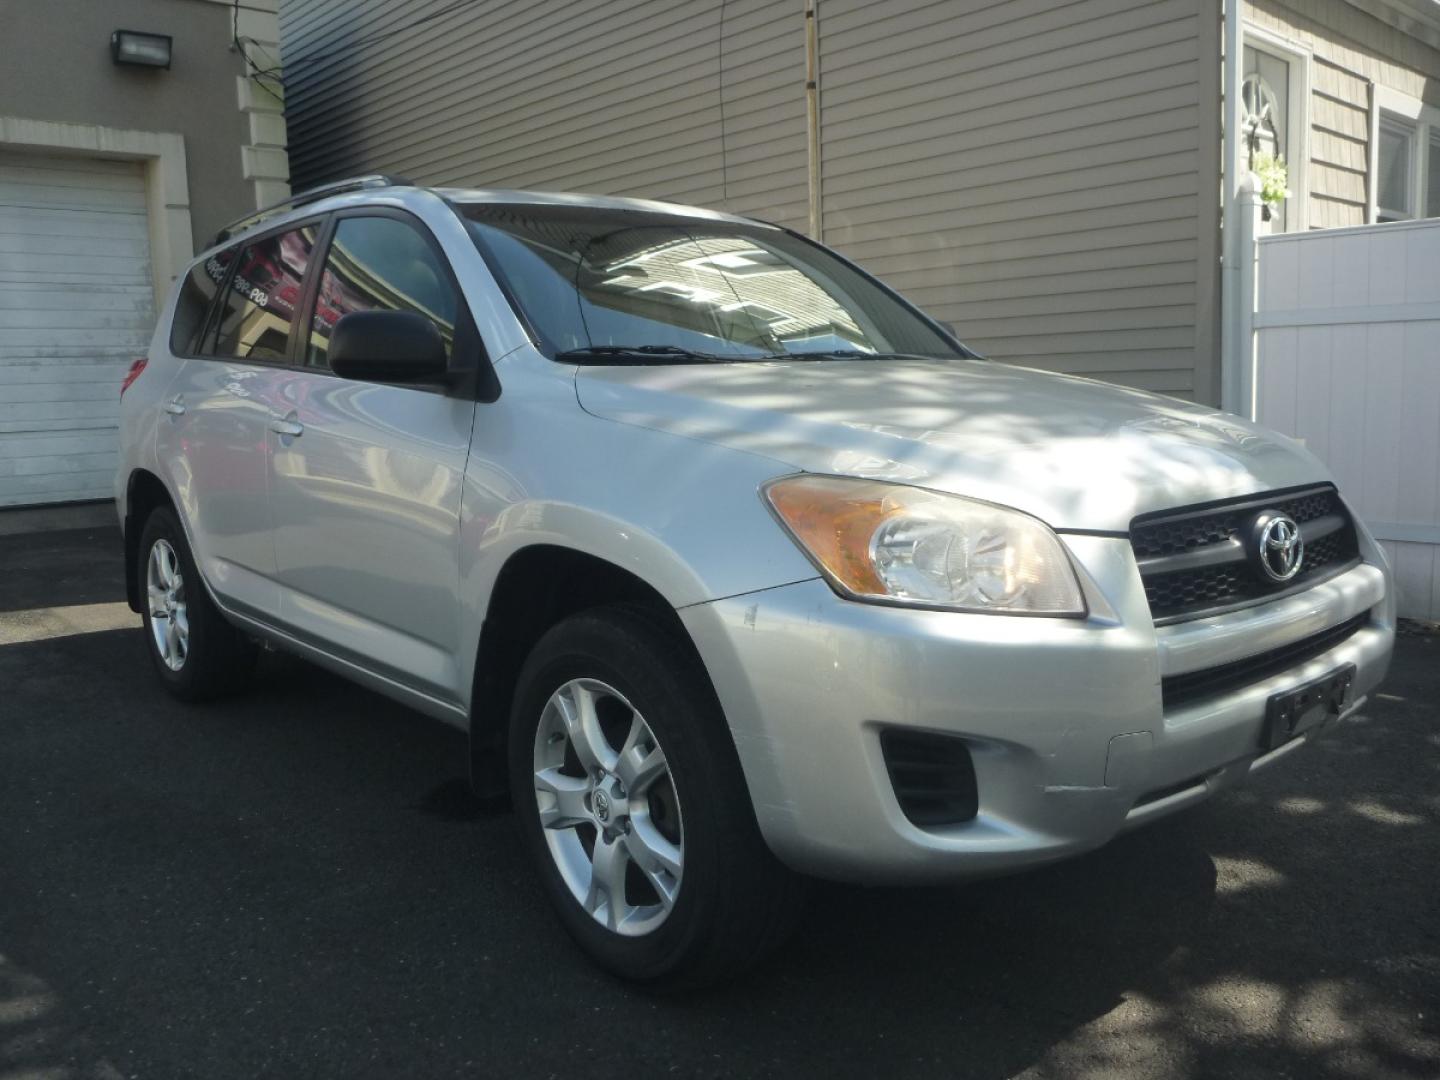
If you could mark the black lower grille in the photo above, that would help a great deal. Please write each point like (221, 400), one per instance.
(933, 776)
(1177, 690)
(1198, 561)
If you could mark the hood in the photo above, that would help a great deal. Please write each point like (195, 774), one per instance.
(1075, 453)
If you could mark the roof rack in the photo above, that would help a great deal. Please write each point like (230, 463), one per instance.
(339, 187)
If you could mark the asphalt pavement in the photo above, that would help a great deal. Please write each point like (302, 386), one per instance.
(294, 883)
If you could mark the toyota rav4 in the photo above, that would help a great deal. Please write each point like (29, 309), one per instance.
(736, 567)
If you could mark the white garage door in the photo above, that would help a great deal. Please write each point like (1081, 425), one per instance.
(76, 306)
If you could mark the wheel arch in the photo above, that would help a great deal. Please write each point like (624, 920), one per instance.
(144, 491)
(538, 586)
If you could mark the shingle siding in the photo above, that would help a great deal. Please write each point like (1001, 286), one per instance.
(1351, 51)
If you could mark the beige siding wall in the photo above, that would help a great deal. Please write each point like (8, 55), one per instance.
(1043, 175)
(1352, 50)
(601, 96)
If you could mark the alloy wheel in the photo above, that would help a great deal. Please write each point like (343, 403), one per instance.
(169, 621)
(608, 807)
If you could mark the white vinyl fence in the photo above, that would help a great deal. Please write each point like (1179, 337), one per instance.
(1347, 358)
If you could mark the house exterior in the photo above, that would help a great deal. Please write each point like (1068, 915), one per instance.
(112, 174)
(1046, 176)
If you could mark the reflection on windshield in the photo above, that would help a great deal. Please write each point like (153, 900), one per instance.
(591, 278)
(727, 289)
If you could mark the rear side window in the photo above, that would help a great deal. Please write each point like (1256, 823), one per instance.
(193, 303)
(383, 263)
(259, 304)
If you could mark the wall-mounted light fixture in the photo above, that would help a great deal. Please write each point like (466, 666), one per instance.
(136, 47)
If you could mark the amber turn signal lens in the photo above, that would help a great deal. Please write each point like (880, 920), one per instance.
(834, 519)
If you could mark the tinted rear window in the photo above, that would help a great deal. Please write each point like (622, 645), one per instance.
(193, 303)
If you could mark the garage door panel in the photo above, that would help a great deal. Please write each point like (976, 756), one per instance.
(13, 412)
(57, 487)
(17, 357)
(78, 390)
(57, 464)
(47, 197)
(23, 264)
(72, 369)
(55, 297)
(17, 221)
(77, 339)
(86, 247)
(52, 443)
(80, 316)
(75, 308)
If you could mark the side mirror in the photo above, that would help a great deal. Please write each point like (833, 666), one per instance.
(948, 327)
(387, 346)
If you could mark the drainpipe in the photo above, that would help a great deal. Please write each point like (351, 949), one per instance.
(812, 118)
(1232, 355)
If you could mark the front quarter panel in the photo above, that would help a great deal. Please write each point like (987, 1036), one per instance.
(683, 515)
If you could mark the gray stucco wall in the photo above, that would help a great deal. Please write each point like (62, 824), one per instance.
(56, 66)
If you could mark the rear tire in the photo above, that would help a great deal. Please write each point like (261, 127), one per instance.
(196, 652)
(609, 856)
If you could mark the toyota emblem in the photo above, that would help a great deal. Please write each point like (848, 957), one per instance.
(1279, 547)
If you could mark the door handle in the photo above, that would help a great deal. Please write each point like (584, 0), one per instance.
(175, 406)
(287, 425)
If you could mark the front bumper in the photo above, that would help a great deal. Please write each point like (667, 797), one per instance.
(1063, 717)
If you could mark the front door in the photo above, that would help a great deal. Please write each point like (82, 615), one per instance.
(366, 479)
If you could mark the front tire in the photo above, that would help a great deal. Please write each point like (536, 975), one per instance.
(197, 654)
(631, 800)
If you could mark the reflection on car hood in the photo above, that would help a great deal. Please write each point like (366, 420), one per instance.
(1076, 453)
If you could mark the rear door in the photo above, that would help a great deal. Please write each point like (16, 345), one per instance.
(214, 436)
(366, 479)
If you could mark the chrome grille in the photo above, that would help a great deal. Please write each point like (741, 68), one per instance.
(1194, 561)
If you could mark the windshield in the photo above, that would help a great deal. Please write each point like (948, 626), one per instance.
(609, 286)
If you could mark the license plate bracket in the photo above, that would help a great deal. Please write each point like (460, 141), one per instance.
(1294, 712)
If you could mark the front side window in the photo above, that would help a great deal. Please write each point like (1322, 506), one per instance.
(259, 305)
(380, 263)
(599, 284)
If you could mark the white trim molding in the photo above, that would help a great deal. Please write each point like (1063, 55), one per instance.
(167, 184)
(1300, 58)
(1423, 123)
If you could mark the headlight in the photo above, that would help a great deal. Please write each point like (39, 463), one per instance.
(896, 544)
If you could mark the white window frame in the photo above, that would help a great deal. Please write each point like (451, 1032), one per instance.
(1421, 121)
(1300, 58)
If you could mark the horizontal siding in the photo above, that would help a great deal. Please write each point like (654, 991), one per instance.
(1031, 172)
(1028, 169)
(515, 94)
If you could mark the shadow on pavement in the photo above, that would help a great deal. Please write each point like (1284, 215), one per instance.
(292, 883)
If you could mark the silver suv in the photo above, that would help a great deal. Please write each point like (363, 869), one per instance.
(736, 567)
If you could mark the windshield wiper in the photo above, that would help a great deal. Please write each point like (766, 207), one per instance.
(638, 354)
(831, 354)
